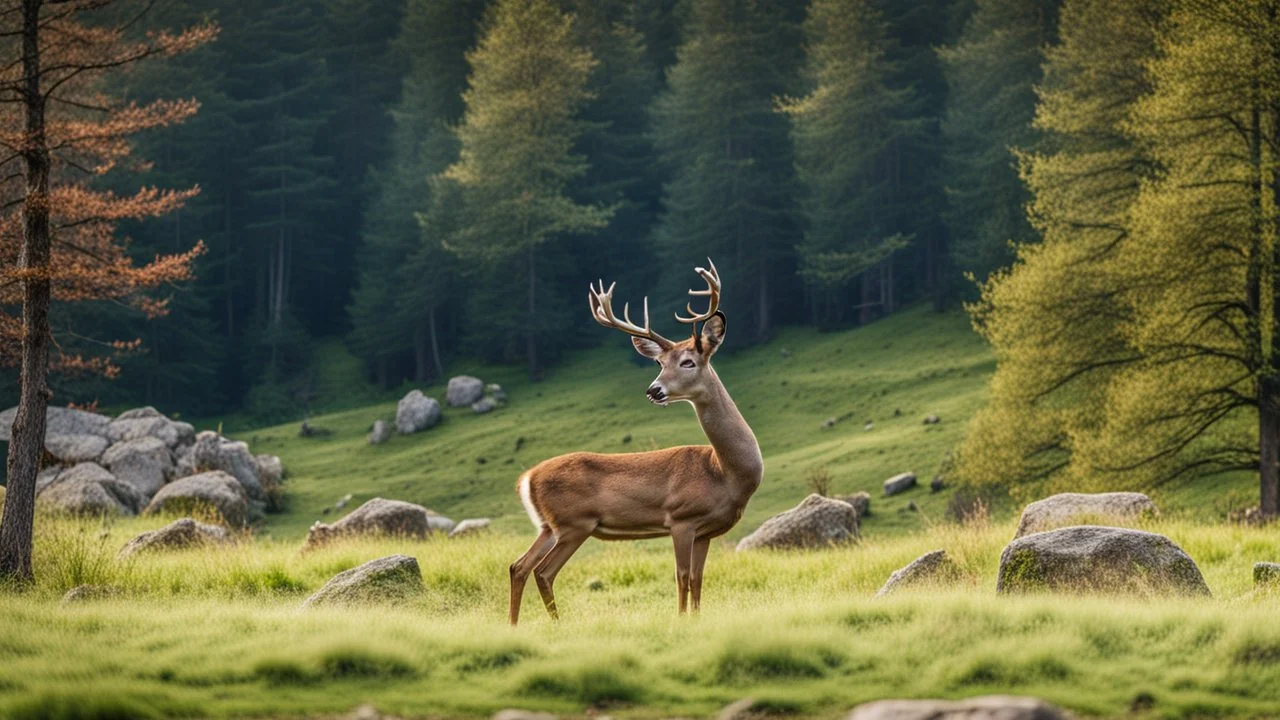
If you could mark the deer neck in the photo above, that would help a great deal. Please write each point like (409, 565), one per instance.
(731, 438)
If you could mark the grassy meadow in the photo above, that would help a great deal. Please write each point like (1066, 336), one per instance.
(219, 632)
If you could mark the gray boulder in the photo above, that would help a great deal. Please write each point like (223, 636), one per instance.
(59, 421)
(1266, 574)
(215, 489)
(463, 390)
(380, 433)
(72, 449)
(84, 593)
(270, 469)
(927, 568)
(484, 405)
(1070, 508)
(899, 483)
(145, 463)
(861, 502)
(1091, 558)
(211, 451)
(177, 535)
(390, 579)
(988, 707)
(495, 391)
(380, 516)
(416, 412)
(816, 522)
(516, 714)
(88, 489)
(148, 422)
(471, 526)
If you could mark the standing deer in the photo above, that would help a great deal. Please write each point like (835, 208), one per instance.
(693, 493)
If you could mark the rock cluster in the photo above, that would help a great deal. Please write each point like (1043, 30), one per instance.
(816, 522)
(122, 465)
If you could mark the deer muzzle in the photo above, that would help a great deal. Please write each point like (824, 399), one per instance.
(656, 394)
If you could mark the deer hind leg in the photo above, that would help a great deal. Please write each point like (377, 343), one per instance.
(521, 568)
(684, 540)
(700, 547)
(566, 544)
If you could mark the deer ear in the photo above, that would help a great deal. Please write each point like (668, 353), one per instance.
(713, 334)
(646, 347)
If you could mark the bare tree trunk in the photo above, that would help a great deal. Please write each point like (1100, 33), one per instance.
(531, 334)
(27, 444)
(435, 342)
(1269, 448)
(419, 355)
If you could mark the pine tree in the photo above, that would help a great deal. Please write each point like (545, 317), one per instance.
(1054, 317)
(991, 74)
(728, 151)
(528, 80)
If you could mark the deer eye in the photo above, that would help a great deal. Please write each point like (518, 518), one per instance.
(686, 363)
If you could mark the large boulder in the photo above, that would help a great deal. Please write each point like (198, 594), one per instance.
(270, 469)
(899, 483)
(861, 502)
(1091, 558)
(463, 391)
(177, 535)
(381, 517)
(816, 522)
(1073, 508)
(145, 463)
(987, 707)
(59, 421)
(390, 579)
(214, 489)
(211, 451)
(72, 449)
(926, 569)
(149, 422)
(88, 489)
(416, 412)
(381, 432)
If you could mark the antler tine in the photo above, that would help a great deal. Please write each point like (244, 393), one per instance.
(712, 278)
(601, 302)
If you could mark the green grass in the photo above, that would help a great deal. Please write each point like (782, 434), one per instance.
(891, 374)
(219, 633)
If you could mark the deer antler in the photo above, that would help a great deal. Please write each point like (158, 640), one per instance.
(712, 292)
(601, 301)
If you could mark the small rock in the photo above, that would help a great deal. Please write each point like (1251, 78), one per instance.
(215, 489)
(869, 426)
(899, 483)
(1072, 508)
(82, 593)
(937, 484)
(471, 526)
(513, 714)
(740, 710)
(595, 584)
(815, 522)
(463, 390)
(179, 534)
(307, 430)
(495, 391)
(394, 578)
(829, 423)
(924, 569)
(897, 412)
(861, 502)
(416, 412)
(626, 439)
(1266, 573)
(380, 517)
(912, 507)
(342, 502)
(483, 405)
(932, 419)
(380, 433)
(989, 707)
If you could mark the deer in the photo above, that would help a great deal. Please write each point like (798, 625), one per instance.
(691, 493)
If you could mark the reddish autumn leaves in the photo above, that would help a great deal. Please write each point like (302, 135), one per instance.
(87, 135)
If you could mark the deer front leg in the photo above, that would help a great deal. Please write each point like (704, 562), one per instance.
(566, 544)
(683, 538)
(521, 568)
(700, 547)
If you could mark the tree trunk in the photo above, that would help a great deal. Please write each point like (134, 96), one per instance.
(27, 444)
(435, 343)
(531, 334)
(1269, 448)
(419, 355)
(762, 325)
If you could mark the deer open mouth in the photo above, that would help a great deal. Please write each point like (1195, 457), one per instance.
(657, 396)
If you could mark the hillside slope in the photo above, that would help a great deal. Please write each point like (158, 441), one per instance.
(890, 374)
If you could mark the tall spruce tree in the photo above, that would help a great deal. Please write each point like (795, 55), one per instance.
(528, 81)
(992, 71)
(728, 152)
(1054, 317)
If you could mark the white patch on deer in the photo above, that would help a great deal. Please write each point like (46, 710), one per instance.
(526, 499)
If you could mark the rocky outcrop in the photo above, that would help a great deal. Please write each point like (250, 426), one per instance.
(88, 489)
(380, 433)
(177, 535)
(899, 483)
(989, 707)
(1072, 508)
(72, 449)
(924, 570)
(463, 390)
(416, 412)
(390, 579)
(380, 517)
(145, 463)
(211, 451)
(470, 526)
(214, 489)
(149, 422)
(1091, 558)
(816, 522)
(59, 421)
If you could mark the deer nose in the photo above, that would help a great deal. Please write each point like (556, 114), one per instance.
(656, 393)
